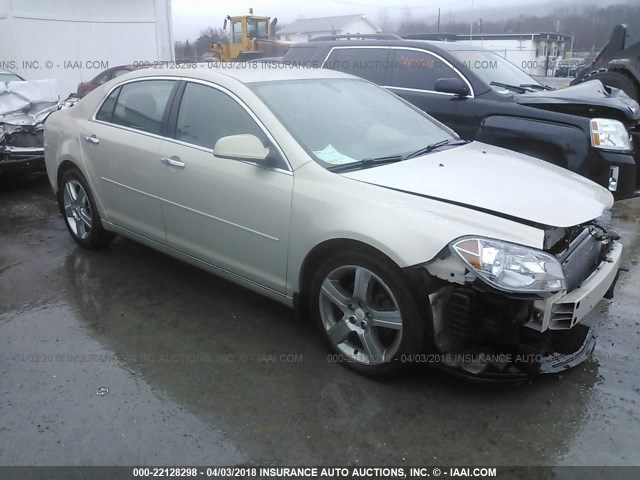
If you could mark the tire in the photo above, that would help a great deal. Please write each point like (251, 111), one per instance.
(78, 208)
(350, 296)
(617, 80)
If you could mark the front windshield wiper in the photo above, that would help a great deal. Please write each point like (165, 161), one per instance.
(515, 88)
(536, 86)
(365, 163)
(372, 162)
(432, 147)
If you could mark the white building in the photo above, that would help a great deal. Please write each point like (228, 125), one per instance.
(535, 53)
(304, 29)
(74, 40)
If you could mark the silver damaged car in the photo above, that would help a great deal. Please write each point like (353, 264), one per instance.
(400, 242)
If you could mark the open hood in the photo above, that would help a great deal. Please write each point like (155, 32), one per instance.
(495, 180)
(589, 99)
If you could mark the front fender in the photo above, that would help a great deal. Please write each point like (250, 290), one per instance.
(561, 144)
(406, 228)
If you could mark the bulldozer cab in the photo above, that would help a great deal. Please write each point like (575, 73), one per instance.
(244, 27)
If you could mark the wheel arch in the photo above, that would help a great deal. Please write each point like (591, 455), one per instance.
(620, 68)
(320, 252)
(65, 165)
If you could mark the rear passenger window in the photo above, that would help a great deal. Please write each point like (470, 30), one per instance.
(106, 110)
(367, 63)
(207, 114)
(302, 56)
(416, 69)
(141, 105)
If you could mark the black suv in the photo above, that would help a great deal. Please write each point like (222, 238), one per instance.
(482, 96)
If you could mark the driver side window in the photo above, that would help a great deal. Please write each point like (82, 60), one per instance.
(207, 114)
(419, 70)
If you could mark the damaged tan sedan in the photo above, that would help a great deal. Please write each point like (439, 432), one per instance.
(401, 242)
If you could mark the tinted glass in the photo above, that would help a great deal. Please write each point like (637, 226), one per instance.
(368, 63)
(100, 79)
(415, 69)
(141, 105)
(106, 110)
(301, 56)
(207, 114)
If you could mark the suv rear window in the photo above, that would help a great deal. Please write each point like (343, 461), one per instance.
(301, 56)
(368, 63)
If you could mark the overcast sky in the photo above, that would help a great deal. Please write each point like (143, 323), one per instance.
(191, 16)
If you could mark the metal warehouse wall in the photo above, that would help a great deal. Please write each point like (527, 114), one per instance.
(74, 40)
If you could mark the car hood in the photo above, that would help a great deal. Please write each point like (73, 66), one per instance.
(498, 181)
(589, 99)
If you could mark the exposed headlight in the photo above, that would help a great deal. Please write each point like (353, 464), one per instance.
(511, 267)
(609, 134)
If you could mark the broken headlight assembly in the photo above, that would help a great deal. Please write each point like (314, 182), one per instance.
(510, 267)
(609, 134)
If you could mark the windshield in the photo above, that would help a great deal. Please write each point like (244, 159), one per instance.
(491, 67)
(257, 28)
(342, 121)
(9, 77)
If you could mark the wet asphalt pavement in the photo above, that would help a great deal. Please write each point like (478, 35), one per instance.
(200, 371)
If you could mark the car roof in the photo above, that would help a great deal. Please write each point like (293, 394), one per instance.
(244, 72)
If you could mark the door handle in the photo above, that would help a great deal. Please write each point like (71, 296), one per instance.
(92, 139)
(173, 162)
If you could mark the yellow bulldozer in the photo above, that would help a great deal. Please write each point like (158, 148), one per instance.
(250, 37)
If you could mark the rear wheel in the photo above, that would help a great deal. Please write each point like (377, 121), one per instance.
(366, 312)
(79, 210)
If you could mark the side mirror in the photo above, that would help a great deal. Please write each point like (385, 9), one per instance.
(452, 85)
(224, 26)
(241, 147)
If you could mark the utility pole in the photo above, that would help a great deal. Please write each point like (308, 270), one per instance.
(572, 36)
(471, 25)
(438, 20)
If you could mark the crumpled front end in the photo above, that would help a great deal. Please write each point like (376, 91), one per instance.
(493, 334)
(24, 107)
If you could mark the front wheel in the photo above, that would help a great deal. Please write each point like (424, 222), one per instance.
(79, 210)
(366, 312)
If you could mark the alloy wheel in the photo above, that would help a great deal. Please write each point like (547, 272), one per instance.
(77, 209)
(360, 314)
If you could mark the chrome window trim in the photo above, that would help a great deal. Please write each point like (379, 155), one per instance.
(407, 89)
(415, 49)
(288, 171)
(133, 80)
